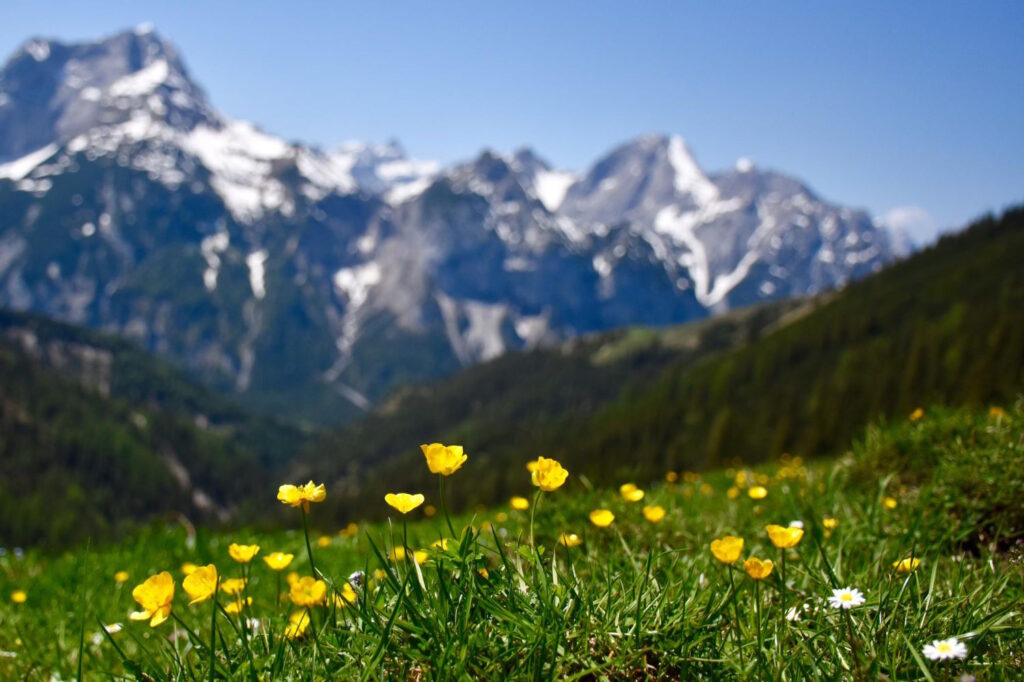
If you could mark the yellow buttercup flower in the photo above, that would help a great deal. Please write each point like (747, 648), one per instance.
(351, 530)
(890, 503)
(121, 577)
(531, 466)
(398, 554)
(443, 459)
(784, 537)
(907, 565)
(549, 474)
(301, 495)
(235, 607)
(441, 544)
(916, 415)
(996, 412)
(630, 492)
(757, 569)
(732, 493)
(570, 540)
(727, 549)
(671, 477)
(501, 517)
(232, 586)
(308, 591)
(188, 568)
(292, 578)
(654, 513)
(829, 524)
(19, 596)
(278, 561)
(404, 502)
(243, 554)
(429, 510)
(602, 518)
(323, 541)
(758, 492)
(201, 584)
(346, 596)
(155, 597)
(519, 503)
(298, 623)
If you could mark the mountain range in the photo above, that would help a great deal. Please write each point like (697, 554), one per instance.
(313, 283)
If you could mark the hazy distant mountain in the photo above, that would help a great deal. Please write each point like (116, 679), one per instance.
(315, 281)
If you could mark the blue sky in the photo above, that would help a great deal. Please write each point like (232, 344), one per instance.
(911, 106)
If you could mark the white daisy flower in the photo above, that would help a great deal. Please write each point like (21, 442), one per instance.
(942, 649)
(846, 598)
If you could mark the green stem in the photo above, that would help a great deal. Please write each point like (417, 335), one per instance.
(533, 510)
(757, 613)
(309, 547)
(444, 510)
(736, 614)
(853, 645)
(213, 632)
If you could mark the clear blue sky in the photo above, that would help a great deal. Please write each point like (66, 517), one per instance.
(875, 104)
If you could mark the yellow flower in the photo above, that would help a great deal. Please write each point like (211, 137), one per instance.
(829, 524)
(323, 541)
(19, 596)
(996, 412)
(671, 477)
(630, 492)
(732, 493)
(758, 492)
(301, 495)
(351, 530)
(398, 554)
(308, 591)
(235, 607)
(549, 474)
(155, 597)
(121, 577)
(429, 510)
(201, 584)
(501, 517)
(188, 568)
(602, 518)
(483, 573)
(298, 622)
(292, 578)
(243, 554)
(443, 459)
(784, 537)
(519, 503)
(654, 513)
(441, 544)
(404, 502)
(278, 561)
(757, 569)
(706, 489)
(907, 565)
(531, 466)
(890, 503)
(232, 586)
(916, 415)
(727, 549)
(346, 596)
(570, 540)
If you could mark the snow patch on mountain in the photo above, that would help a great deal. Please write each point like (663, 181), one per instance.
(142, 81)
(19, 168)
(551, 186)
(256, 261)
(689, 178)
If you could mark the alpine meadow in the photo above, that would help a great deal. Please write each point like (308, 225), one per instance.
(271, 410)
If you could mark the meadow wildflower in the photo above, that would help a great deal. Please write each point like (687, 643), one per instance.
(602, 518)
(298, 623)
(654, 513)
(519, 503)
(441, 544)
(243, 554)
(501, 517)
(549, 474)
(291, 578)
(846, 598)
(829, 524)
(732, 493)
(758, 569)
(758, 492)
(570, 540)
(784, 537)
(996, 412)
(188, 568)
(323, 541)
(671, 477)
(232, 586)
(349, 531)
(19, 596)
(531, 466)
(443, 459)
(154, 596)
(404, 502)
(429, 510)
(301, 495)
(916, 415)
(346, 596)
(630, 492)
(308, 591)
(201, 584)
(890, 503)
(278, 561)
(121, 577)
(906, 565)
(727, 549)
(942, 649)
(235, 607)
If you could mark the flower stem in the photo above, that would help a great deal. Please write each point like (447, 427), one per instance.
(757, 614)
(736, 614)
(213, 631)
(309, 547)
(444, 509)
(533, 510)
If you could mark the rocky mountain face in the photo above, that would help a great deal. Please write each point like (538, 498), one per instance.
(314, 282)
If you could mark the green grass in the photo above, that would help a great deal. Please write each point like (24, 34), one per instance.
(637, 600)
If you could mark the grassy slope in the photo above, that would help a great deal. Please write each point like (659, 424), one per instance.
(637, 600)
